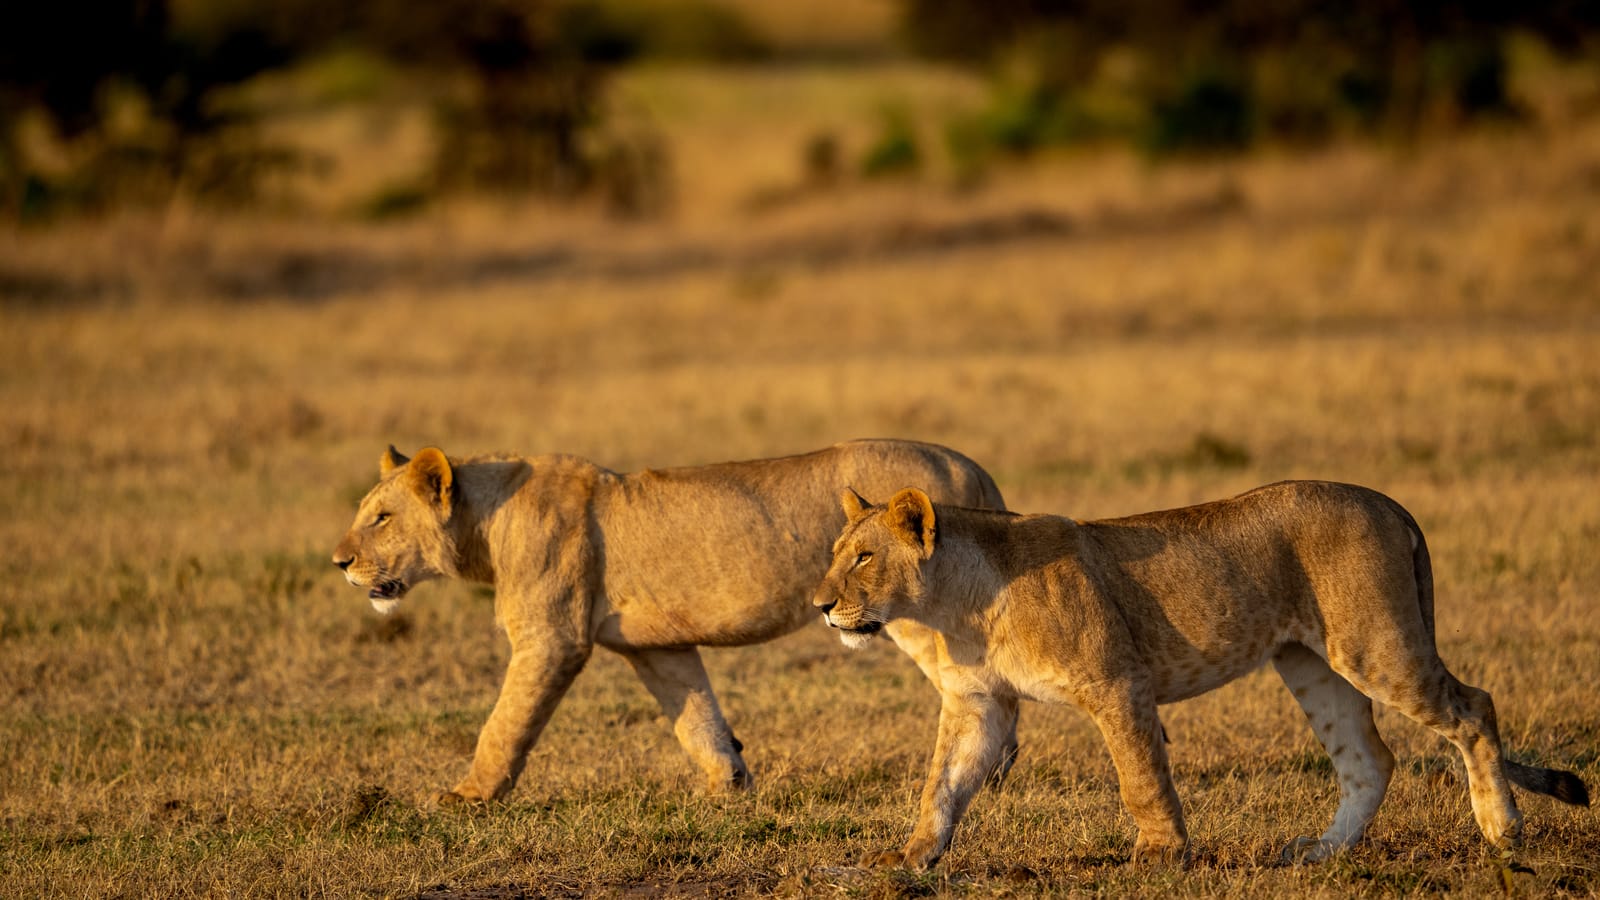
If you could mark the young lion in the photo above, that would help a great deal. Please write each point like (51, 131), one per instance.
(648, 564)
(1330, 582)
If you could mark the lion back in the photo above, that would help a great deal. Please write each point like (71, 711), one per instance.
(745, 543)
(876, 469)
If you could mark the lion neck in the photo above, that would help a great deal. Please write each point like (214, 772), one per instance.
(482, 491)
(471, 558)
(510, 512)
(965, 577)
(982, 559)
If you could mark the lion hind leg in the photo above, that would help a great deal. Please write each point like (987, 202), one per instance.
(1425, 691)
(1341, 718)
(678, 681)
(1476, 735)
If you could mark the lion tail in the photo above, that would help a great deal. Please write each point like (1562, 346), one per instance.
(1557, 783)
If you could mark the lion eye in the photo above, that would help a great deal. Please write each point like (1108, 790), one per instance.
(863, 558)
(381, 519)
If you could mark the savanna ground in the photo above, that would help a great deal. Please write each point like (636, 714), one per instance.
(192, 702)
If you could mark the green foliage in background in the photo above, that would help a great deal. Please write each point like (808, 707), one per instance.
(1174, 77)
(125, 91)
(107, 101)
(895, 150)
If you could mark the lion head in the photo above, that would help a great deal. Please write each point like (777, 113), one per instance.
(400, 536)
(877, 569)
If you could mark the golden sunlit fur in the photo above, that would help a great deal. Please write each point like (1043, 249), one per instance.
(648, 564)
(1330, 583)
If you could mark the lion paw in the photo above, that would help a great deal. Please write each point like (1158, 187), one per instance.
(882, 859)
(451, 798)
(1306, 850)
(738, 782)
(1163, 853)
(1509, 835)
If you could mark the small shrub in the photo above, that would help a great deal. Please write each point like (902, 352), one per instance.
(633, 174)
(691, 29)
(1208, 113)
(1211, 451)
(896, 151)
(820, 159)
(394, 202)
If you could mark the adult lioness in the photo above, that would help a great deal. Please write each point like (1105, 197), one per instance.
(648, 564)
(1328, 581)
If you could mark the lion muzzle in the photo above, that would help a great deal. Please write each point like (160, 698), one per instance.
(387, 590)
(825, 600)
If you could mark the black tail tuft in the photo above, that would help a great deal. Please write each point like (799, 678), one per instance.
(1564, 786)
(1571, 789)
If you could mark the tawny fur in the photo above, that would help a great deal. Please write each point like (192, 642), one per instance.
(1331, 583)
(648, 564)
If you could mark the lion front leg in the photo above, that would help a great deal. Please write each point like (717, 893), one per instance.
(972, 732)
(535, 681)
(921, 643)
(678, 681)
(1126, 716)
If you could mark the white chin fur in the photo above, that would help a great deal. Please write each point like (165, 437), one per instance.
(385, 605)
(856, 641)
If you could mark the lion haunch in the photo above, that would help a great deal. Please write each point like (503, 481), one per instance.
(1331, 583)
(579, 555)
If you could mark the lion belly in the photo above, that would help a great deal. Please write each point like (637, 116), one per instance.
(1220, 631)
(664, 618)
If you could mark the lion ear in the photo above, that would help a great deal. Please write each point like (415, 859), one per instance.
(432, 477)
(392, 459)
(911, 517)
(854, 504)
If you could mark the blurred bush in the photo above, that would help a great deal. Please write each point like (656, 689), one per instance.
(895, 150)
(112, 101)
(675, 29)
(1176, 77)
(103, 99)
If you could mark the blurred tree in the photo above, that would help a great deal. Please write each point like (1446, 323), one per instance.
(125, 93)
(529, 76)
(1219, 75)
(517, 82)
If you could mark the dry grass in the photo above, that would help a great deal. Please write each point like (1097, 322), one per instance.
(192, 702)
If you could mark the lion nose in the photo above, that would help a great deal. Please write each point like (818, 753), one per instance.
(343, 563)
(824, 604)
